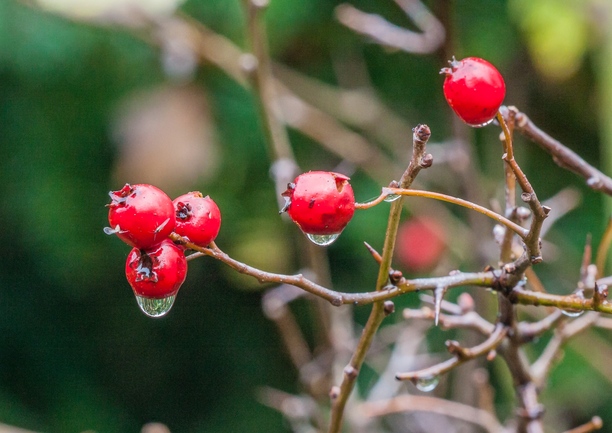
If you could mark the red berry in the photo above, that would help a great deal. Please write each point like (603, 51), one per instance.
(197, 218)
(157, 272)
(320, 202)
(474, 89)
(420, 244)
(141, 215)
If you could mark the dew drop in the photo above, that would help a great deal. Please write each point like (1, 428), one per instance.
(480, 125)
(109, 231)
(323, 240)
(155, 307)
(427, 384)
(572, 313)
(392, 197)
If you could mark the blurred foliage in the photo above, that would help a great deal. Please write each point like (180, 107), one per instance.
(76, 354)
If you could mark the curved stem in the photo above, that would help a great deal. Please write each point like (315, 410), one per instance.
(521, 231)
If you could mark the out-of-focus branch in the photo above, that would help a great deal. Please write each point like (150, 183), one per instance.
(470, 320)
(562, 155)
(461, 355)
(527, 331)
(275, 307)
(287, 107)
(415, 403)
(594, 424)
(390, 35)
(603, 250)
(540, 368)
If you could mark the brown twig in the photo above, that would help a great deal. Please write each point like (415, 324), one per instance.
(594, 424)
(417, 403)
(421, 134)
(470, 320)
(562, 155)
(541, 367)
(532, 240)
(461, 355)
(390, 35)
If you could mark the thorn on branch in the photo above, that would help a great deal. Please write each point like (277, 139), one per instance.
(374, 253)
(438, 296)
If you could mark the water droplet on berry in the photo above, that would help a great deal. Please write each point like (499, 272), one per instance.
(480, 125)
(427, 384)
(572, 313)
(155, 307)
(392, 197)
(323, 240)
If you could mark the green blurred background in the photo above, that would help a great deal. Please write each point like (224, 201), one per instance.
(86, 107)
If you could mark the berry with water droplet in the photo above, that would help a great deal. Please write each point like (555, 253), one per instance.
(198, 218)
(474, 89)
(321, 203)
(141, 215)
(156, 273)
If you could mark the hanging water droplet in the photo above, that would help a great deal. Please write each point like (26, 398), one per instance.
(392, 197)
(427, 384)
(573, 313)
(480, 125)
(323, 240)
(155, 307)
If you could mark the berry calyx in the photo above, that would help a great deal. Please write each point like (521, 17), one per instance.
(474, 89)
(320, 202)
(141, 215)
(420, 244)
(158, 272)
(198, 218)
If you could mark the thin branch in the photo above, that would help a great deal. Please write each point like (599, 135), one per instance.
(274, 305)
(390, 35)
(416, 403)
(568, 302)
(421, 134)
(541, 367)
(594, 424)
(603, 250)
(532, 240)
(527, 331)
(522, 232)
(461, 355)
(562, 155)
(470, 320)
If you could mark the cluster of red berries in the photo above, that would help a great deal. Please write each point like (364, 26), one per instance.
(143, 216)
(320, 203)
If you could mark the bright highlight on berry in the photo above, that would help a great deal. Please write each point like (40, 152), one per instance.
(321, 203)
(474, 89)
